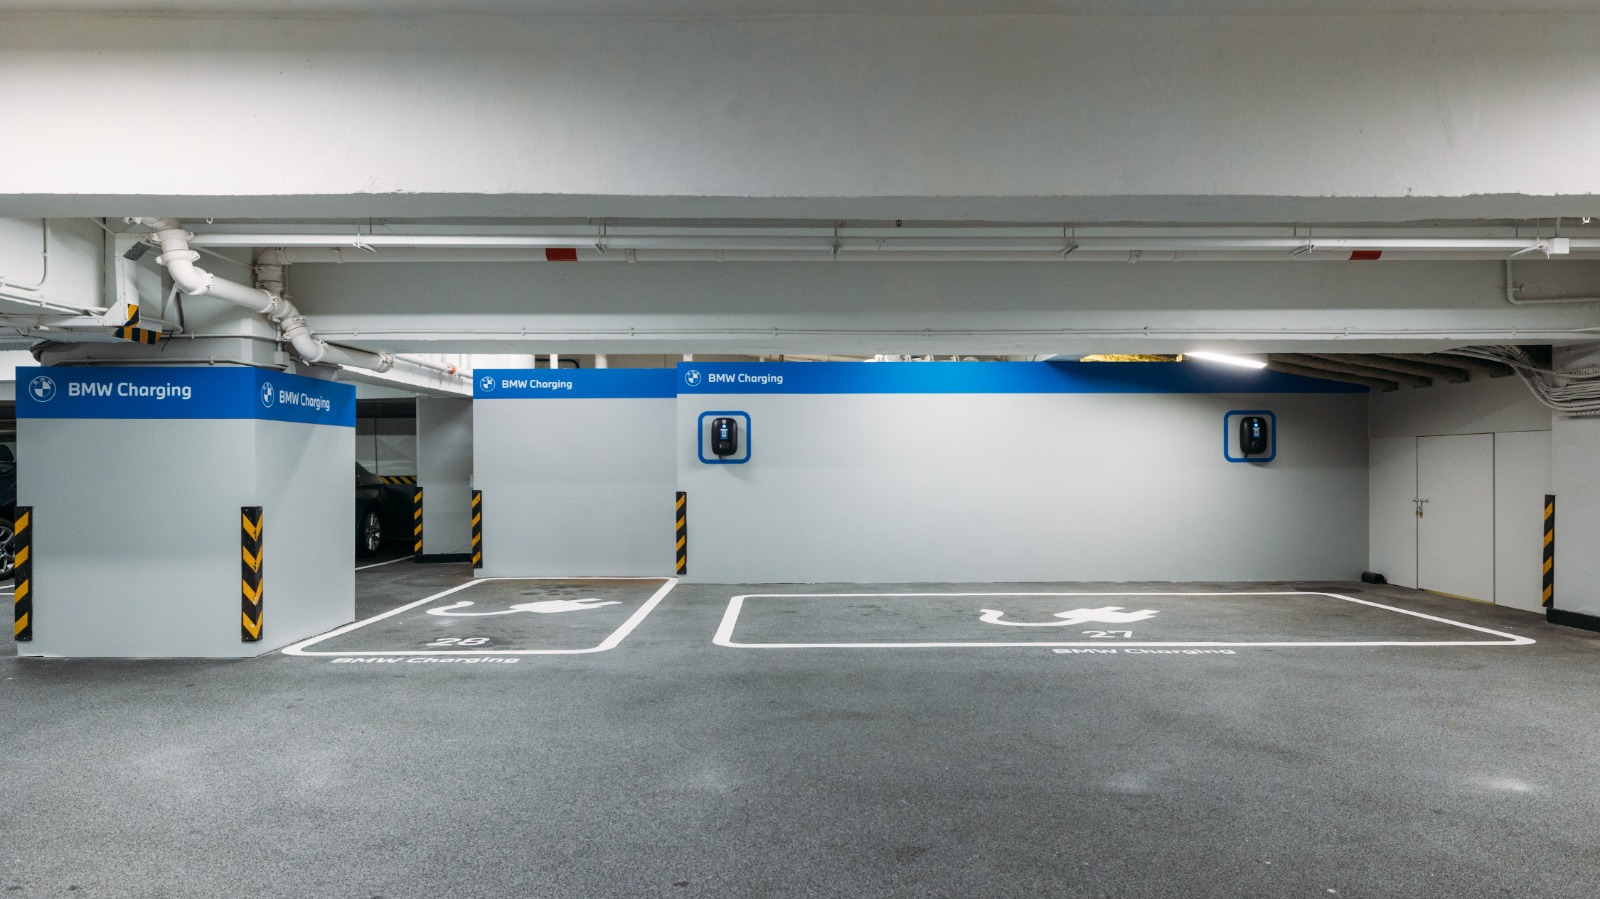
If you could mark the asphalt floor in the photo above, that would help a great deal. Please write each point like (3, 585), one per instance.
(1327, 740)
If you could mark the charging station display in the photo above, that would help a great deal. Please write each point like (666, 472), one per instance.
(724, 437)
(1250, 435)
(1253, 435)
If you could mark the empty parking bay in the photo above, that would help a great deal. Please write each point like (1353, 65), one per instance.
(1406, 744)
(498, 619)
(1098, 621)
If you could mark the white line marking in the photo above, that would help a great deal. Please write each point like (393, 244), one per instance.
(390, 562)
(610, 642)
(724, 635)
(546, 607)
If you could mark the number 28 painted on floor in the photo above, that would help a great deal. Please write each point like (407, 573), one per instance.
(460, 641)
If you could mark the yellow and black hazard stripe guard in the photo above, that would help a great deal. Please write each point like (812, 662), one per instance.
(477, 529)
(130, 329)
(399, 478)
(416, 522)
(22, 558)
(683, 533)
(1549, 593)
(137, 335)
(250, 570)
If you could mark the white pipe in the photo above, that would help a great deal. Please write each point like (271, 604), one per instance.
(904, 242)
(1513, 297)
(179, 260)
(555, 360)
(600, 360)
(319, 255)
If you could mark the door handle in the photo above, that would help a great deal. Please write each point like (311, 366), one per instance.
(1419, 503)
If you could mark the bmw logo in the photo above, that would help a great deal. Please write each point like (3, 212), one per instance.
(42, 389)
(268, 395)
(486, 383)
(692, 377)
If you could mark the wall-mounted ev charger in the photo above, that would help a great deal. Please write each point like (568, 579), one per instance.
(724, 437)
(1254, 438)
(1250, 435)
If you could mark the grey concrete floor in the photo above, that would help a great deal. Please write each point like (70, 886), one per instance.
(671, 766)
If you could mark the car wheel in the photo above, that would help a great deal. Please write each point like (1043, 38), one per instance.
(369, 533)
(8, 556)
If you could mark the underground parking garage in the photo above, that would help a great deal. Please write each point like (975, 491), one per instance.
(530, 449)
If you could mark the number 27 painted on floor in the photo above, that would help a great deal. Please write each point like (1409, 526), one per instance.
(1098, 634)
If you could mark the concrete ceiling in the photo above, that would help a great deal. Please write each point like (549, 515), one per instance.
(822, 7)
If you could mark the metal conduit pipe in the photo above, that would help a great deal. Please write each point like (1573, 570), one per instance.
(267, 299)
(908, 242)
(845, 254)
(1514, 294)
(7, 285)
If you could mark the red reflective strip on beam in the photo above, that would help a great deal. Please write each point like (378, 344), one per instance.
(561, 254)
(1365, 255)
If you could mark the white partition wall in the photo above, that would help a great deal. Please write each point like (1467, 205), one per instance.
(890, 472)
(137, 478)
(444, 471)
(576, 471)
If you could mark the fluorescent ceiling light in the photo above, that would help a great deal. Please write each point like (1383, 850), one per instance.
(1241, 361)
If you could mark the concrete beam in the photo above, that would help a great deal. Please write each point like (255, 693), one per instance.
(1440, 372)
(1044, 118)
(1277, 364)
(1348, 366)
(970, 308)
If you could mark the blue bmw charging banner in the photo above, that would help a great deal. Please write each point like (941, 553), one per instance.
(573, 383)
(220, 392)
(989, 377)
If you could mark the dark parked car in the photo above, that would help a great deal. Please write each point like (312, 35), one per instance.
(383, 512)
(369, 512)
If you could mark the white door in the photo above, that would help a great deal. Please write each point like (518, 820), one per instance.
(1391, 486)
(1455, 535)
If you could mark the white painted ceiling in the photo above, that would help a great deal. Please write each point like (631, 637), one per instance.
(819, 7)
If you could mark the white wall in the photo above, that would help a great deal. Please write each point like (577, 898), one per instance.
(136, 533)
(1481, 406)
(304, 481)
(444, 469)
(575, 486)
(146, 570)
(1521, 482)
(1574, 447)
(387, 446)
(896, 117)
(1055, 487)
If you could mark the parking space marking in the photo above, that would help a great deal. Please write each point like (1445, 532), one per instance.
(610, 642)
(730, 618)
(390, 562)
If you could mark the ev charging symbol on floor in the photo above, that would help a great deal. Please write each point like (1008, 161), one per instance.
(545, 607)
(1106, 615)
